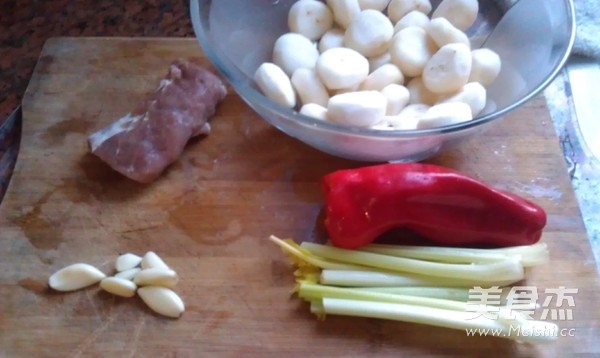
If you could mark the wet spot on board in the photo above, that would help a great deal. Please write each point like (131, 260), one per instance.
(96, 170)
(101, 182)
(96, 182)
(33, 285)
(40, 232)
(191, 166)
(222, 234)
(77, 191)
(56, 132)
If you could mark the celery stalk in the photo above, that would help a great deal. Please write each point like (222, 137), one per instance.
(311, 259)
(447, 293)
(316, 308)
(530, 255)
(507, 269)
(453, 319)
(431, 254)
(427, 285)
(349, 278)
(312, 292)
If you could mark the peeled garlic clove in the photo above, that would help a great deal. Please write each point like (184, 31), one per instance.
(411, 49)
(409, 117)
(345, 90)
(378, 61)
(397, 98)
(413, 18)
(344, 11)
(445, 114)
(314, 110)
(309, 87)
(156, 277)
(162, 300)
(127, 261)
(118, 286)
(381, 77)
(310, 18)
(361, 109)
(369, 33)
(75, 277)
(378, 5)
(128, 274)
(275, 84)
(331, 39)
(449, 69)
(397, 9)
(473, 94)
(486, 66)
(341, 68)
(152, 260)
(443, 33)
(461, 13)
(292, 51)
(419, 94)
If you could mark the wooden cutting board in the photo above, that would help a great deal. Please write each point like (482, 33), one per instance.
(210, 215)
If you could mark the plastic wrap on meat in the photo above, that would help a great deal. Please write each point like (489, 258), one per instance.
(143, 143)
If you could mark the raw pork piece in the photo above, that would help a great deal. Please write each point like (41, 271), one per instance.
(143, 143)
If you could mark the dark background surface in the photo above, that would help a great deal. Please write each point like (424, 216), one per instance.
(25, 25)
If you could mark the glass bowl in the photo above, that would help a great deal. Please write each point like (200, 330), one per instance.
(534, 40)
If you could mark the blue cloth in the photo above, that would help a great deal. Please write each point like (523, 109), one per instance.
(587, 37)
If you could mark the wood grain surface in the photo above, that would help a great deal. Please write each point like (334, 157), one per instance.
(209, 217)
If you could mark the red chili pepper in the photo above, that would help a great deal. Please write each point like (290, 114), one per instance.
(437, 203)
